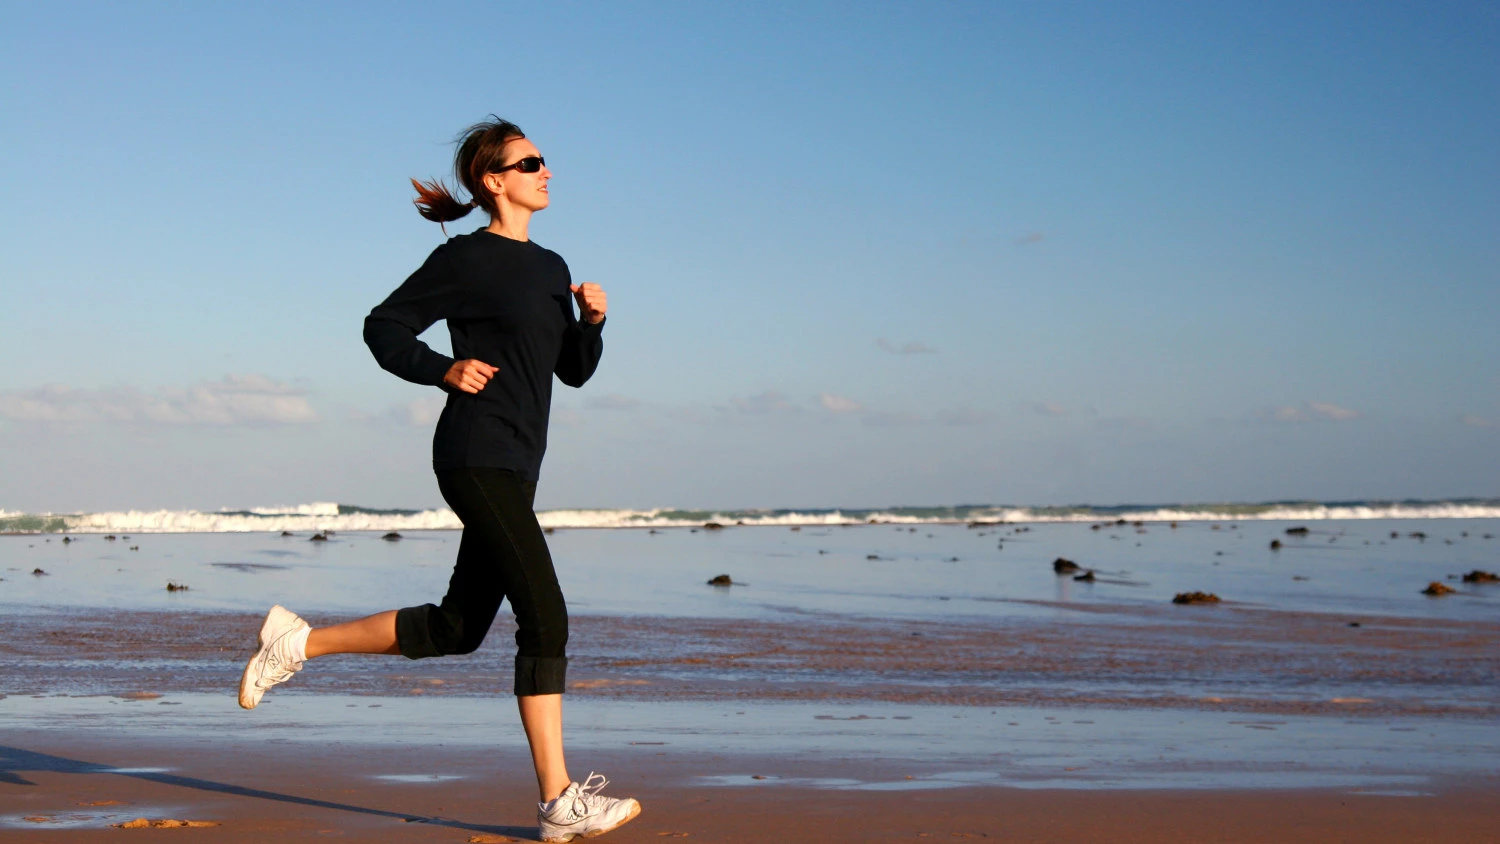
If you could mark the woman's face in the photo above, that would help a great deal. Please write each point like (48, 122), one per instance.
(527, 190)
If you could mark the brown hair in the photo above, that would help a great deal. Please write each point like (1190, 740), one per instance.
(480, 150)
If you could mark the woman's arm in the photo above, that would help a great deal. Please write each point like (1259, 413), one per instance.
(583, 344)
(391, 329)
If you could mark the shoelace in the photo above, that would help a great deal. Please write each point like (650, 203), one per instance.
(587, 795)
(278, 668)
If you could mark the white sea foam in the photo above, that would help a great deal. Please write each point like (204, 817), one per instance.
(319, 516)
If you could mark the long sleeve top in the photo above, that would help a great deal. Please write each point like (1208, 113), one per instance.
(508, 304)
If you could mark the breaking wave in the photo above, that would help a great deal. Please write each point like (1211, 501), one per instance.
(320, 516)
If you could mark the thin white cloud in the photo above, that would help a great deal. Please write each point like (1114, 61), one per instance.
(236, 400)
(839, 404)
(769, 401)
(1049, 408)
(1475, 421)
(1284, 413)
(1327, 410)
(1031, 238)
(420, 413)
(1308, 412)
(912, 348)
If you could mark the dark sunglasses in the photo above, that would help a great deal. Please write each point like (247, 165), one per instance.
(529, 164)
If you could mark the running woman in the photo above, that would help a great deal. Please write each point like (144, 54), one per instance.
(506, 301)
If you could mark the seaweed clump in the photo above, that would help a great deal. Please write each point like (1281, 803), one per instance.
(1195, 598)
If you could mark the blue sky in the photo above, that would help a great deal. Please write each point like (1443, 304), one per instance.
(857, 254)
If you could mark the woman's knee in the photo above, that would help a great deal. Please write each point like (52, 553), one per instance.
(461, 627)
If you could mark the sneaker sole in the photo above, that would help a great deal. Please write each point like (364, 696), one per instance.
(634, 811)
(277, 618)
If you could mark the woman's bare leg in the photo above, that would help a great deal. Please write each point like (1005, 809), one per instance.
(373, 634)
(541, 715)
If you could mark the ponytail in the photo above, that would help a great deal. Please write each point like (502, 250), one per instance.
(437, 204)
(481, 148)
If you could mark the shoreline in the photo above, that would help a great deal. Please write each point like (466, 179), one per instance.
(253, 791)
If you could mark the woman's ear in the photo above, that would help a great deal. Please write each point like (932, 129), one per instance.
(494, 183)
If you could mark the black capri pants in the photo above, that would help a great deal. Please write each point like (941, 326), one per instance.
(502, 554)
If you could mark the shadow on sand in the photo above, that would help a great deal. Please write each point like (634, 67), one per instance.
(15, 760)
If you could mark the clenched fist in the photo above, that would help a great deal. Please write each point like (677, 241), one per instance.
(469, 375)
(592, 303)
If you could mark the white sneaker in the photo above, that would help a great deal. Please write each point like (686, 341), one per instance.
(279, 657)
(582, 812)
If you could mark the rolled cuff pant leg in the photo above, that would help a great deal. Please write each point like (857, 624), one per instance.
(414, 633)
(503, 554)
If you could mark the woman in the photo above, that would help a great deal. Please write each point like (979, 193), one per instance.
(506, 301)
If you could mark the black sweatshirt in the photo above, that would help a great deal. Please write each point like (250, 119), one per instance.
(508, 304)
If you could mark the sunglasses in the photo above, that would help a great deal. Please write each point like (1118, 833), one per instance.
(529, 164)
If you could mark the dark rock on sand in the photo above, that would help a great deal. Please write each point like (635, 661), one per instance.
(391, 537)
(176, 587)
(1095, 527)
(1275, 545)
(723, 580)
(66, 540)
(287, 533)
(1417, 534)
(319, 537)
(38, 572)
(1086, 577)
(712, 526)
(1195, 598)
(549, 531)
(1353, 624)
(1435, 588)
(1062, 565)
(872, 556)
(1478, 576)
(109, 538)
(1296, 531)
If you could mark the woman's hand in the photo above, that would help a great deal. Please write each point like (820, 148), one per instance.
(469, 375)
(592, 303)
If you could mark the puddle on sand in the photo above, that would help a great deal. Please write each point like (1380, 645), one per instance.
(926, 782)
(95, 819)
(417, 778)
(1085, 778)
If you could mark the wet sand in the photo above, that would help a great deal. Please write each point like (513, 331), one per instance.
(1222, 658)
(73, 790)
